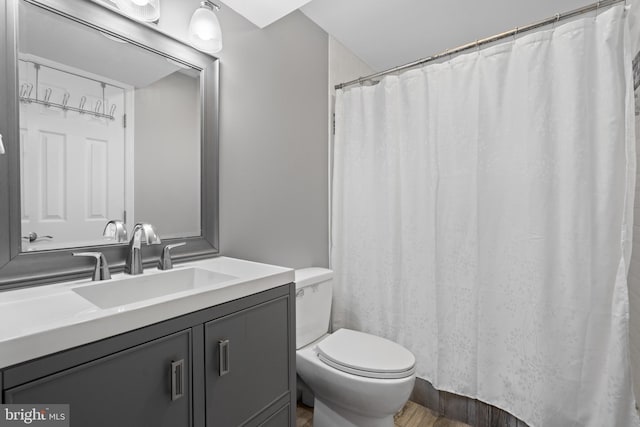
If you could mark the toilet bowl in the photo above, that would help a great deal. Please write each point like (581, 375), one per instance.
(358, 379)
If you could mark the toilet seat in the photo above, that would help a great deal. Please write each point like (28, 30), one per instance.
(366, 355)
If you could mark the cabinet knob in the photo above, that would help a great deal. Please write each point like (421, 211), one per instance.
(223, 357)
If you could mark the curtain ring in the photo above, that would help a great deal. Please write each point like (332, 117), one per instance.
(556, 21)
(515, 33)
(477, 45)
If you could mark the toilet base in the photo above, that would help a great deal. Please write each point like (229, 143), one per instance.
(304, 393)
(335, 416)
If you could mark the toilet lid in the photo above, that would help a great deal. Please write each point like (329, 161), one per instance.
(366, 355)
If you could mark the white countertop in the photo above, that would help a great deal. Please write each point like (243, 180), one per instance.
(46, 319)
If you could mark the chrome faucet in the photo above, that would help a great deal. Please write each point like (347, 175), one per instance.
(115, 229)
(141, 232)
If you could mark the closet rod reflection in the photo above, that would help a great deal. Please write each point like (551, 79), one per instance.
(511, 33)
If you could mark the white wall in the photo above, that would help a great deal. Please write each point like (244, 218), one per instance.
(273, 136)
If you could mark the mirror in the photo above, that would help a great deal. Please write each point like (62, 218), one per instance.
(103, 118)
(108, 131)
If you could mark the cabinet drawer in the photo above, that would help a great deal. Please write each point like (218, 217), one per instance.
(140, 386)
(246, 362)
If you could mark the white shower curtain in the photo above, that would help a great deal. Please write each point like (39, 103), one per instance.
(481, 216)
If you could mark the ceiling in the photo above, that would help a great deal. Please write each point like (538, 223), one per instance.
(389, 33)
(42, 34)
(263, 13)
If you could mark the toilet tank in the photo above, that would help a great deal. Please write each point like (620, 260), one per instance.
(313, 304)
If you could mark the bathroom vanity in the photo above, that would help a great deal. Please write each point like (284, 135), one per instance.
(221, 352)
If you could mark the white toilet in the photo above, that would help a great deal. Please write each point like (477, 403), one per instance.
(358, 379)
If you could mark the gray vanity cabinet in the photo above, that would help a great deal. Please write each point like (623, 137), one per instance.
(132, 388)
(246, 363)
(279, 419)
(228, 365)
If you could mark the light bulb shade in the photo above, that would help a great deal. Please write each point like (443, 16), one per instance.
(204, 31)
(141, 10)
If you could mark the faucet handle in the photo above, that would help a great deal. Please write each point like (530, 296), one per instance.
(101, 271)
(165, 262)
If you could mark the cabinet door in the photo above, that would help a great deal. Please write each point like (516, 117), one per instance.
(279, 419)
(137, 387)
(246, 363)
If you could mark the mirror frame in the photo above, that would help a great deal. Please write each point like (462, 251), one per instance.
(34, 268)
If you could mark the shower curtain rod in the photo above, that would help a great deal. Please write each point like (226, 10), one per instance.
(514, 32)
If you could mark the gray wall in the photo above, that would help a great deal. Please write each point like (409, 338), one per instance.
(273, 136)
(166, 123)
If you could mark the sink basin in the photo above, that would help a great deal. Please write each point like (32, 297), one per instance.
(113, 293)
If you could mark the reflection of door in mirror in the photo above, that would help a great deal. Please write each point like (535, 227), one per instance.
(107, 127)
(72, 154)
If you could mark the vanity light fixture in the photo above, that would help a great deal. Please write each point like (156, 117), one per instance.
(141, 10)
(204, 29)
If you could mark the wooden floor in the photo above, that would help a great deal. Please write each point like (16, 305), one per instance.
(412, 415)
